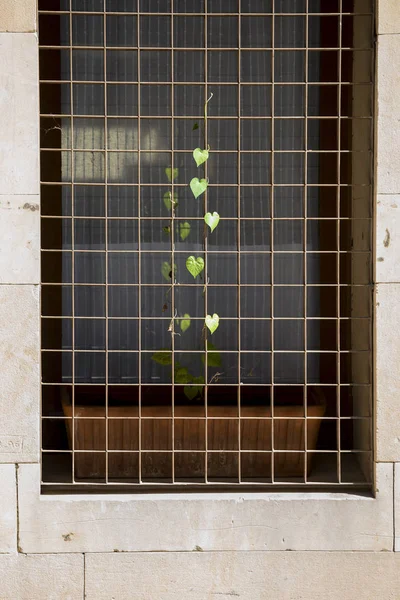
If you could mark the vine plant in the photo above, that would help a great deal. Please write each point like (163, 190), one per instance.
(195, 266)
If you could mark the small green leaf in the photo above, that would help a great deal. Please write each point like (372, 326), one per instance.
(211, 220)
(166, 230)
(185, 322)
(213, 356)
(162, 358)
(172, 174)
(200, 156)
(198, 186)
(183, 376)
(166, 270)
(191, 391)
(195, 126)
(168, 201)
(194, 265)
(212, 322)
(184, 230)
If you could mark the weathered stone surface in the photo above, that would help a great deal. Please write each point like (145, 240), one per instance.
(249, 576)
(19, 113)
(246, 522)
(387, 372)
(388, 123)
(42, 577)
(388, 16)
(19, 239)
(18, 16)
(19, 373)
(397, 506)
(8, 509)
(388, 239)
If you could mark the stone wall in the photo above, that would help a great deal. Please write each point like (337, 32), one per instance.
(266, 546)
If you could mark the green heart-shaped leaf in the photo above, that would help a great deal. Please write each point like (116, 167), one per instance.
(212, 322)
(184, 230)
(191, 391)
(185, 322)
(200, 156)
(213, 356)
(195, 126)
(198, 186)
(182, 375)
(172, 174)
(212, 220)
(169, 201)
(194, 265)
(166, 270)
(162, 358)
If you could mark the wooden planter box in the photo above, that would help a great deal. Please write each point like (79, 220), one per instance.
(189, 434)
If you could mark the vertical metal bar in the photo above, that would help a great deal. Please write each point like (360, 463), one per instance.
(205, 244)
(305, 386)
(72, 240)
(339, 108)
(139, 194)
(173, 274)
(272, 201)
(238, 287)
(106, 222)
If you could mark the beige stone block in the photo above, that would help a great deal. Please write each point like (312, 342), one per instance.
(42, 577)
(388, 115)
(388, 372)
(244, 575)
(8, 509)
(19, 239)
(215, 522)
(388, 239)
(19, 113)
(19, 373)
(18, 15)
(397, 506)
(388, 16)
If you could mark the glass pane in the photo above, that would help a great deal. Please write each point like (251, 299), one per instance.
(88, 65)
(87, 30)
(121, 31)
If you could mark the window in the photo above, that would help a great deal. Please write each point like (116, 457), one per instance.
(137, 391)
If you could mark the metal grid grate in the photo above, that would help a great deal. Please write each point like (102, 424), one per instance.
(287, 399)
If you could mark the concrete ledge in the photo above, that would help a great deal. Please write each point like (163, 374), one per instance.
(129, 523)
(44, 577)
(248, 576)
(18, 16)
(8, 510)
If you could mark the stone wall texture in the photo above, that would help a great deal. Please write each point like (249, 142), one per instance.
(259, 547)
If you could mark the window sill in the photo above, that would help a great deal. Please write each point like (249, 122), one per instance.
(210, 522)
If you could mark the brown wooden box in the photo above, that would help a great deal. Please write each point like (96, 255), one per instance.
(189, 435)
